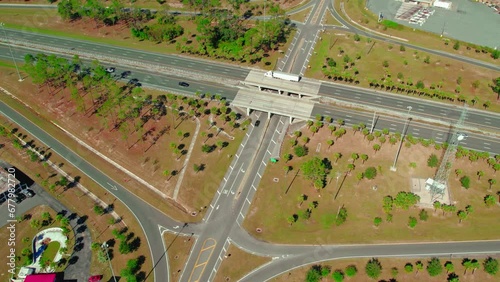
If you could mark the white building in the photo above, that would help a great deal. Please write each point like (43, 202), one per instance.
(442, 4)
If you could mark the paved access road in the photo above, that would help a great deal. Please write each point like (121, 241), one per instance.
(149, 217)
(424, 250)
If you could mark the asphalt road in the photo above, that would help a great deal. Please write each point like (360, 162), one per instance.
(422, 108)
(423, 250)
(417, 128)
(148, 217)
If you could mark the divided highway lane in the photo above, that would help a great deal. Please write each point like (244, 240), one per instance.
(173, 61)
(147, 78)
(149, 217)
(422, 108)
(324, 253)
(417, 129)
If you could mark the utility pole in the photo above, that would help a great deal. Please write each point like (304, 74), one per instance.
(373, 122)
(11, 54)
(105, 246)
(393, 167)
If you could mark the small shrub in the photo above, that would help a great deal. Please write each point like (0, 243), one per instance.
(370, 173)
(465, 181)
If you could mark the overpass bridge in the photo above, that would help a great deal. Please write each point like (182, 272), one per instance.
(276, 96)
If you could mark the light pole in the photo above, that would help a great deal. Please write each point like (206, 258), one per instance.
(373, 122)
(10, 50)
(105, 245)
(393, 167)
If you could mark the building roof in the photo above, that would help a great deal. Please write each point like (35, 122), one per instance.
(42, 277)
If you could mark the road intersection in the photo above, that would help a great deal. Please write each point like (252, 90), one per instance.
(222, 222)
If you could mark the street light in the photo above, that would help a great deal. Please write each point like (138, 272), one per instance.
(10, 50)
(105, 245)
(373, 122)
(393, 167)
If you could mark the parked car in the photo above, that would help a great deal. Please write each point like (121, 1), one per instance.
(184, 84)
(28, 193)
(110, 70)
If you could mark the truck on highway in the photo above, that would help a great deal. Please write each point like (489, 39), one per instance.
(282, 75)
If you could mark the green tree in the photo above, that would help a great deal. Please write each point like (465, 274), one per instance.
(316, 169)
(465, 181)
(338, 276)
(300, 151)
(364, 157)
(489, 200)
(35, 223)
(370, 173)
(492, 182)
(394, 272)
(329, 143)
(373, 268)
(314, 274)
(449, 267)
(412, 222)
(434, 267)
(462, 215)
(490, 266)
(377, 221)
(98, 210)
(341, 216)
(376, 147)
(423, 215)
(351, 270)
(433, 161)
(480, 174)
(419, 265)
(408, 267)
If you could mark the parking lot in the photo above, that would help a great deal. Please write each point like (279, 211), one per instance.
(467, 21)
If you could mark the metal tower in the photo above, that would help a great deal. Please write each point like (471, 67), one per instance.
(437, 188)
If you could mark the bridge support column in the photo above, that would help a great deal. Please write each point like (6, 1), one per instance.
(291, 119)
(248, 111)
(268, 115)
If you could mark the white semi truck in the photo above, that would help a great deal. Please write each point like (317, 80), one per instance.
(282, 75)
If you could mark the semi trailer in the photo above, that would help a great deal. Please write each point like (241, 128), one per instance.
(282, 75)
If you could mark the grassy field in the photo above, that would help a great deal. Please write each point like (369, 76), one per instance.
(51, 251)
(301, 16)
(330, 20)
(24, 239)
(387, 273)
(363, 203)
(237, 264)
(403, 66)
(358, 13)
(178, 249)
(80, 203)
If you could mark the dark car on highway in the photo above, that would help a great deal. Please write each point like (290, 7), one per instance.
(183, 84)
